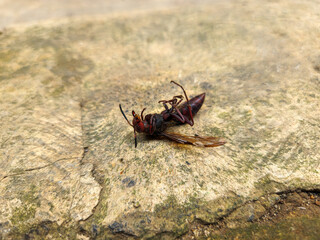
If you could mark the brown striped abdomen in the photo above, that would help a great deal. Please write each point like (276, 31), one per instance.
(195, 103)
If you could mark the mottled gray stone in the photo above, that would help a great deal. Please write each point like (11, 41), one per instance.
(68, 156)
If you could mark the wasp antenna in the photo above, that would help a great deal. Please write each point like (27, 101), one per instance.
(135, 139)
(124, 115)
(142, 113)
(185, 94)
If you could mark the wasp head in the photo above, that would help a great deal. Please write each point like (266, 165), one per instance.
(137, 122)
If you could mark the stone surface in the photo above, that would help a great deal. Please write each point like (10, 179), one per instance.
(42, 174)
(68, 156)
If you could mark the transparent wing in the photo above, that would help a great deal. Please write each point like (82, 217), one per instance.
(195, 140)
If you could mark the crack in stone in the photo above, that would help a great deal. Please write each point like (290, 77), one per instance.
(74, 195)
(85, 151)
(96, 207)
(4, 142)
(36, 168)
(85, 148)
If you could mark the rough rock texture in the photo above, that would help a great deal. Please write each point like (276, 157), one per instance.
(68, 156)
(42, 174)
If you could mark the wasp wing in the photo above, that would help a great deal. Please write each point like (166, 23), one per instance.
(195, 140)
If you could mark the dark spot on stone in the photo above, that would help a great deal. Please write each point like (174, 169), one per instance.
(251, 218)
(116, 227)
(316, 64)
(45, 226)
(26, 237)
(127, 179)
(82, 230)
(181, 216)
(95, 230)
(131, 183)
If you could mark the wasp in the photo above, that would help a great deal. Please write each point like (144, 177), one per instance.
(176, 112)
